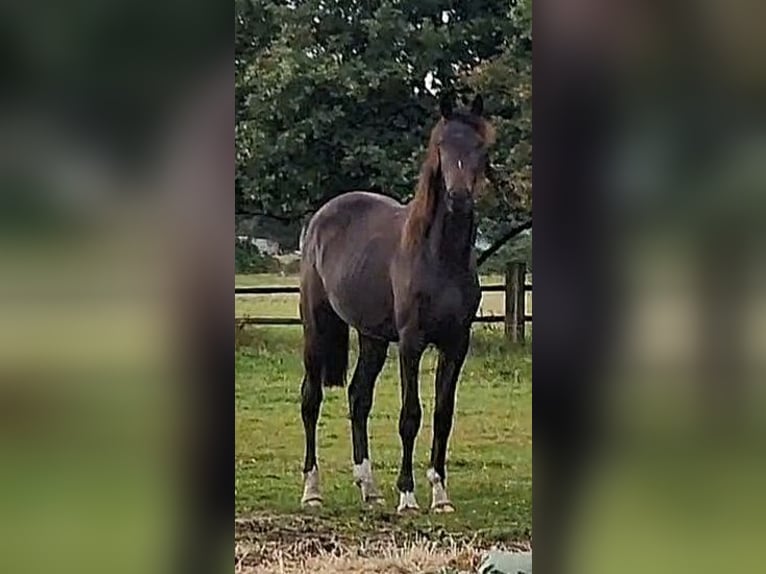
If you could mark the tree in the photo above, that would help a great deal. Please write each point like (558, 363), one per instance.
(333, 95)
(507, 209)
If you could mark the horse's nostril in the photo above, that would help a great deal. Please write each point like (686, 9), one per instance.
(459, 201)
(459, 196)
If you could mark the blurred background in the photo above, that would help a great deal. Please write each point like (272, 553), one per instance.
(670, 376)
(116, 123)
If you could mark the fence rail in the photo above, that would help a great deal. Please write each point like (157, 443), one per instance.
(515, 317)
(288, 289)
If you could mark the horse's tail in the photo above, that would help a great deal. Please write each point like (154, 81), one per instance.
(326, 347)
(335, 359)
(325, 344)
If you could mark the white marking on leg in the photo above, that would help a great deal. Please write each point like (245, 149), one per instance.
(311, 494)
(363, 478)
(407, 502)
(439, 500)
(363, 472)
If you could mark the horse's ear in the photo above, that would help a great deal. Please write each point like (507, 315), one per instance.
(445, 106)
(477, 106)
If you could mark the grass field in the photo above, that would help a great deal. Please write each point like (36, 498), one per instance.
(489, 460)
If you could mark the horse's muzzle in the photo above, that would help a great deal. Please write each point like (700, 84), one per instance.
(459, 201)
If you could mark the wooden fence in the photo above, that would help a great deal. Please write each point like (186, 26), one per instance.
(514, 319)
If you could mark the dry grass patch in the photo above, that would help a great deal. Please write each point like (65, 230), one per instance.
(302, 545)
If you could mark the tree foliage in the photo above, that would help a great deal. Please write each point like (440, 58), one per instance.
(247, 259)
(333, 95)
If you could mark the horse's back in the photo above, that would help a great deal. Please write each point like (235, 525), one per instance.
(350, 221)
(349, 244)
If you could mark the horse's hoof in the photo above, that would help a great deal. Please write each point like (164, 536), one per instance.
(439, 501)
(443, 508)
(312, 497)
(311, 503)
(366, 483)
(407, 503)
(374, 501)
(371, 496)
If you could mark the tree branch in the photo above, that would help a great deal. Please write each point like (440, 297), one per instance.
(495, 247)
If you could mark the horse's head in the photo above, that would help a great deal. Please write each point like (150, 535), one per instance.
(454, 168)
(462, 141)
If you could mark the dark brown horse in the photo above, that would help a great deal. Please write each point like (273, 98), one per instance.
(403, 273)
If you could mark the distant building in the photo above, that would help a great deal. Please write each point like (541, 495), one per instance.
(262, 244)
(266, 246)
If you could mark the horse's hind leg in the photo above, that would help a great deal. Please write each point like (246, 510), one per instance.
(311, 388)
(311, 400)
(325, 356)
(372, 356)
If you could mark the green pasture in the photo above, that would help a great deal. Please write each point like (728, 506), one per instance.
(490, 456)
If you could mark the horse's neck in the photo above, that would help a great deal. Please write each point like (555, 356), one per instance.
(451, 237)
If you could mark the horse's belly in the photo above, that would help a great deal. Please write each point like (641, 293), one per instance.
(361, 308)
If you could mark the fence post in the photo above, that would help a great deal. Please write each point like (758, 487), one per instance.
(515, 275)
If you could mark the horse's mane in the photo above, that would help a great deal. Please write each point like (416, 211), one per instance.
(422, 206)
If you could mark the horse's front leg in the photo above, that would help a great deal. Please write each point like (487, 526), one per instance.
(450, 362)
(410, 352)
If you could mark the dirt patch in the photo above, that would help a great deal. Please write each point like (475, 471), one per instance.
(301, 544)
